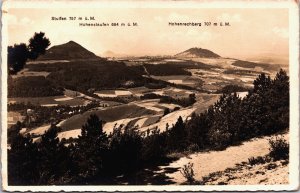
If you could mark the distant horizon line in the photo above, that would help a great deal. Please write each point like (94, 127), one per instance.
(183, 50)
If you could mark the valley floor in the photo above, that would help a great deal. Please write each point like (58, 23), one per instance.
(206, 163)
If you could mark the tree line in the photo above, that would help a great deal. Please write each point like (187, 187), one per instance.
(264, 111)
(184, 101)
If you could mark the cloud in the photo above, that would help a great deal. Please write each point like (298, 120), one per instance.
(225, 17)
(281, 32)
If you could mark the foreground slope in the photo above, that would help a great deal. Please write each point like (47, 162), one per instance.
(206, 163)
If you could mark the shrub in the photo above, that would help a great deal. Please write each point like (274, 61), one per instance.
(279, 148)
(166, 111)
(176, 109)
(188, 172)
(258, 160)
(193, 148)
(219, 139)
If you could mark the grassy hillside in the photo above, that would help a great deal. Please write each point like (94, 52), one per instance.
(108, 115)
(68, 51)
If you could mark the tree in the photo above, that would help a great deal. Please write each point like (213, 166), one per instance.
(279, 106)
(125, 150)
(90, 151)
(197, 130)
(262, 83)
(154, 146)
(192, 99)
(19, 53)
(38, 45)
(54, 159)
(22, 159)
(176, 137)
(224, 127)
(17, 57)
(166, 111)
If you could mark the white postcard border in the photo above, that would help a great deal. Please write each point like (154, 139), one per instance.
(294, 91)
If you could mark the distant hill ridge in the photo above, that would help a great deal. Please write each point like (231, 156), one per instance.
(68, 51)
(198, 52)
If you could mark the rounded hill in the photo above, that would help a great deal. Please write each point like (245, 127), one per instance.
(68, 51)
(197, 53)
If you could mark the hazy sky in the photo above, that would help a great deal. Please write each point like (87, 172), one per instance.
(252, 31)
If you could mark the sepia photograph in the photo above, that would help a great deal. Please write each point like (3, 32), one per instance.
(127, 96)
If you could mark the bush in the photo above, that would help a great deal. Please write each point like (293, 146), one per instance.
(279, 148)
(193, 148)
(176, 109)
(166, 111)
(219, 140)
(188, 172)
(258, 160)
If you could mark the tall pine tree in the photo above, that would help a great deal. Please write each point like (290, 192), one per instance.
(90, 150)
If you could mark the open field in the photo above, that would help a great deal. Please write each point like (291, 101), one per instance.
(217, 62)
(51, 101)
(145, 114)
(181, 80)
(47, 62)
(151, 104)
(138, 113)
(172, 92)
(40, 130)
(204, 101)
(26, 72)
(113, 93)
(108, 115)
(217, 79)
(170, 119)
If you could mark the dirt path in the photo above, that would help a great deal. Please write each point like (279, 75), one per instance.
(148, 74)
(209, 162)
